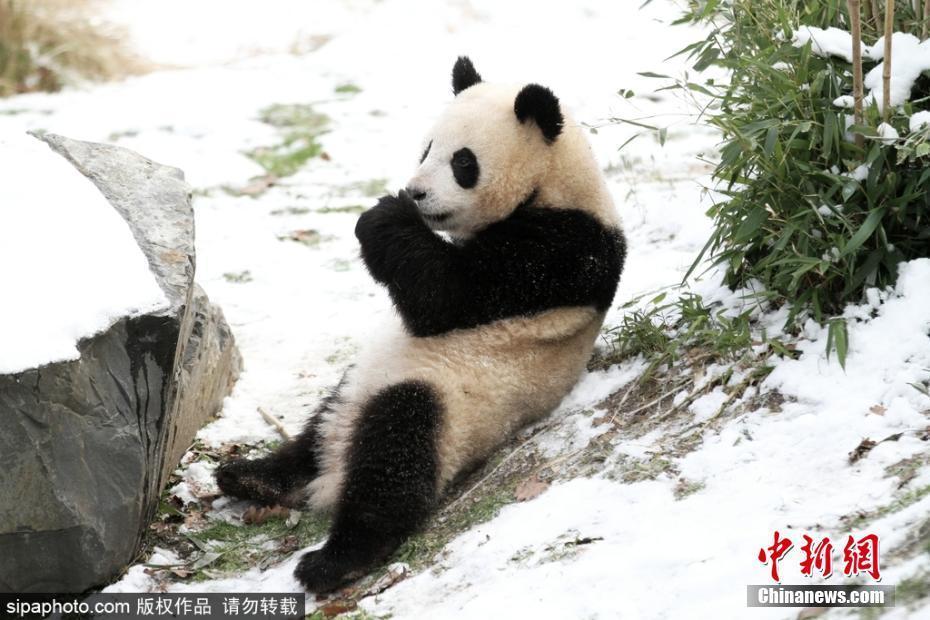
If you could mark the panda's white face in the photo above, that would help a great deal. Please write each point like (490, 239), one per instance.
(479, 162)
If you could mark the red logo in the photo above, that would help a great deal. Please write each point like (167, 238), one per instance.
(776, 552)
(859, 556)
(819, 557)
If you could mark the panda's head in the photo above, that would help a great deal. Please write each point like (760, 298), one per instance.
(487, 153)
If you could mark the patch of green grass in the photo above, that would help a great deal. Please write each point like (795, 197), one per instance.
(357, 614)
(913, 589)
(420, 549)
(241, 547)
(342, 355)
(287, 158)
(346, 209)
(372, 188)
(294, 116)
(239, 277)
(907, 469)
(686, 487)
(909, 498)
(348, 88)
(300, 126)
(661, 332)
(291, 211)
(639, 470)
(909, 593)
(340, 264)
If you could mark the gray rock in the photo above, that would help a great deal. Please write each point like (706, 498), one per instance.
(86, 446)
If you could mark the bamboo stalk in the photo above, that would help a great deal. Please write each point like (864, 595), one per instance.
(926, 19)
(886, 63)
(275, 423)
(876, 15)
(856, 25)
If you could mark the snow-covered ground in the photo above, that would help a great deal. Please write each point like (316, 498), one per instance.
(300, 310)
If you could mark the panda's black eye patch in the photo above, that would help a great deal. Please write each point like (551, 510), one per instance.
(465, 168)
(426, 152)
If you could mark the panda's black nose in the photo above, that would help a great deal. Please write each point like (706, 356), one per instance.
(416, 193)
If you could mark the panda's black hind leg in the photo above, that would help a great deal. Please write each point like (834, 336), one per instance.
(278, 478)
(389, 489)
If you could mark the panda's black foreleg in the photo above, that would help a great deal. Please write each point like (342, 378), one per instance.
(389, 489)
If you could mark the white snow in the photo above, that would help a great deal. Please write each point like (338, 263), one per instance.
(886, 134)
(919, 120)
(303, 312)
(909, 58)
(829, 42)
(861, 172)
(71, 266)
(198, 482)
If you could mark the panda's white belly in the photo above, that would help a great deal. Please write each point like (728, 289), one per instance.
(491, 380)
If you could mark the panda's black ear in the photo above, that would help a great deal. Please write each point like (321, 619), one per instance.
(464, 75)
(540, 104)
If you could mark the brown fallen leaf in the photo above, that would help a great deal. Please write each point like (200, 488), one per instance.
(257, 185)
(395, 574)
(878, 409)
(334, 608)
(306, 236)
(195, 519)
(530, 488)
(160, 527)
(864, 447)
(289, 544)
(256, 515)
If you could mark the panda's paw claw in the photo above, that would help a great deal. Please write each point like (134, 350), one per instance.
(320, 573)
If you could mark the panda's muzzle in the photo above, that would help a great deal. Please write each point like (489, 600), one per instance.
(418, 195)
(436, 218)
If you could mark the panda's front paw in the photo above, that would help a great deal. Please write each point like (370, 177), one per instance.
(385, 233)
(389, 213)
(319, 571)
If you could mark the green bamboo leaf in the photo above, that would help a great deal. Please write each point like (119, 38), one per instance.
(751, 224)
(838, 340)
(865, 231)
(770, 140)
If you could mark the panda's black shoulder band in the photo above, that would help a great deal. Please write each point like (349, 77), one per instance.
(535, 260)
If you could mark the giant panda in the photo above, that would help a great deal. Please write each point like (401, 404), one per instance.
(501, 257)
